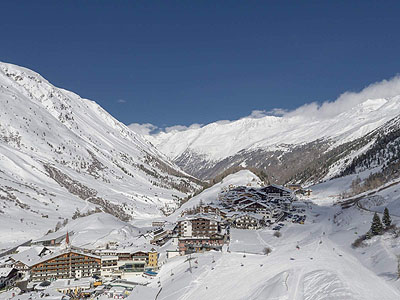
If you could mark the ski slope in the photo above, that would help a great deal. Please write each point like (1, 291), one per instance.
(320, 269)
(314, 261)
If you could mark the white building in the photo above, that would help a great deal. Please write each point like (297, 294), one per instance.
(186, 228)
(109, 265)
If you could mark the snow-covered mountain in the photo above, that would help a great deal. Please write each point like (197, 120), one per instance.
(281, 145)
(62, 155)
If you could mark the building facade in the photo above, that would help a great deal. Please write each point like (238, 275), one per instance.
(198, 226)
(66, 264)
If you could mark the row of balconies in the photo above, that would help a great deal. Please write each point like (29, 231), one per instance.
(67, 267)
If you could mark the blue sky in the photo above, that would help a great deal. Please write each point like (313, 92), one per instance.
(185, 62)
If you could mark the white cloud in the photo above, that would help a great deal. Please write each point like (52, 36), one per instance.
(346, 101)
(121, 101)
(144, 129)
(223, 122)
(150, 129)
(257, 114)
(182, 127)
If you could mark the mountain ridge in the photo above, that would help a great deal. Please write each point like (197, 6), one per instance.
(222, 145)
(60, 153)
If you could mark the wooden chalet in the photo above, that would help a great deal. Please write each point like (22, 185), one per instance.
(277, 191)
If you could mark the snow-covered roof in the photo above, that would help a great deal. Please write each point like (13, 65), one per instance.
(232, 213)
(280, 187)
(117, 289)
(53, 255)
(210, 217)
(137, 248)
(255, 202)
(53, 235)
(68, 283)
(4, 272)
(29, 256)
(249, 214)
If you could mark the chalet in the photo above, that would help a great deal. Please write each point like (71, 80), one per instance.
(66, 264)
(256, 207)
(248, 221)
(211, 209)
(274, 190)
(189, 245)
(26, 256)
(282, 203)
(200, 225)
(7, 276)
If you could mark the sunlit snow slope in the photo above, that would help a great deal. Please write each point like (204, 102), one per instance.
(61, 154)
(264, 142)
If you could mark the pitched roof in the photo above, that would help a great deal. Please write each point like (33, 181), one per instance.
(29, 256)
(255, 202)
(200, 216)
(4, 272)
(65, 251)
(53, 236)
(253, 215)
(281, 188)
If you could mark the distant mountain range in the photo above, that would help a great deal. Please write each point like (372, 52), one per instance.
(301, 148)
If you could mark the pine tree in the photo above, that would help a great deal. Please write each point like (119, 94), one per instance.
(386, 218)
(376, 226)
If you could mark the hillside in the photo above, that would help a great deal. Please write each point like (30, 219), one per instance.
(283, 146)
(313, 261)
(62, 155)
